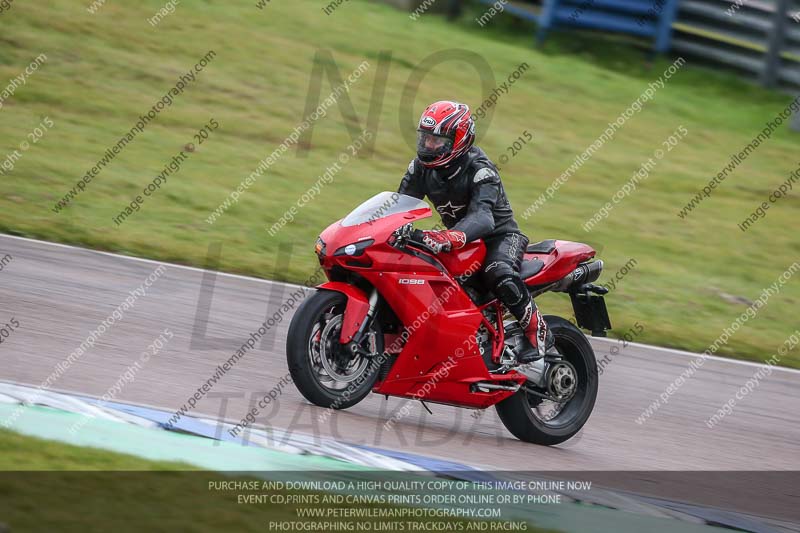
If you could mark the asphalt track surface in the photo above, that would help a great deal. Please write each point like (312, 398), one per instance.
(59, 294)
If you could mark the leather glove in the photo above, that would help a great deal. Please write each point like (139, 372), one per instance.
(444, 240)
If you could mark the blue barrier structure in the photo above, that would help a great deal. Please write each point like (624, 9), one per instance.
(758, 38)
(650, 19)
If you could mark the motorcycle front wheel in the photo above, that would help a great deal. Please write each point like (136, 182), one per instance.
(323, 370)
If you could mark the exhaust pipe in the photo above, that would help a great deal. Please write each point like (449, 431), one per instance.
(495, 386)
(585, 273)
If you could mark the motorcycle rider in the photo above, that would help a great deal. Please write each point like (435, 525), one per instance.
(466, 191)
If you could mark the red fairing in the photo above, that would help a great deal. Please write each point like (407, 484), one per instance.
(356, 310)
(337, 236)
(467, 260)
(560, 262)
(438, 359)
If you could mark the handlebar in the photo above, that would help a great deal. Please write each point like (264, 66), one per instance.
(407, 235)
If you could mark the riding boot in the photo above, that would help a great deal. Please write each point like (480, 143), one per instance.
(538, 334)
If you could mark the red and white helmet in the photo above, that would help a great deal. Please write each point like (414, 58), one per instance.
(446, 131)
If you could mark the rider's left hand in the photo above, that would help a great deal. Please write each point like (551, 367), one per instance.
(444, 240)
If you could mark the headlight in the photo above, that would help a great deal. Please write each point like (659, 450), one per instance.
(355, 249)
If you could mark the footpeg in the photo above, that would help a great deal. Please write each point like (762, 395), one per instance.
(508, 357)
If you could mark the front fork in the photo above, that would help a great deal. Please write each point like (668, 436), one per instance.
(355, 346)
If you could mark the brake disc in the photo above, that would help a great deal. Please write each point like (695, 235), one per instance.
(330, 337)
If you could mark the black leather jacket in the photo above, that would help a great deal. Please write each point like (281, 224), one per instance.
(468, 194)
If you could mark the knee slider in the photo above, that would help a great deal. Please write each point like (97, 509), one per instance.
(512, 291)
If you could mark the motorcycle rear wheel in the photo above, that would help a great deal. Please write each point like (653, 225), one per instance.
(520, 413)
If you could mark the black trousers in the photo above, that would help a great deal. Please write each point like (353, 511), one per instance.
(504, 254)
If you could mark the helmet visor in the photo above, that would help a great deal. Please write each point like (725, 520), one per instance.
(430, 146)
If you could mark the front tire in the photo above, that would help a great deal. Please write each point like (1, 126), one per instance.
(324, 372)
(521, 413)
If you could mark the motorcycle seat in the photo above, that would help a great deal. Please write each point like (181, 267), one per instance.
(543, 247)
(530, 267)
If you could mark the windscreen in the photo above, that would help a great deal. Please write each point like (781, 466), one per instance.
(382, 205)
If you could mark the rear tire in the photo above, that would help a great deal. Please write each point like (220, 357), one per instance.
(519, 412)
(320, 315)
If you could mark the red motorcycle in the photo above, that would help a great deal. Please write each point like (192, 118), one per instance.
(398, 320)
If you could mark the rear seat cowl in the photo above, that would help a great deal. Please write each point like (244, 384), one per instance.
(543, 247)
